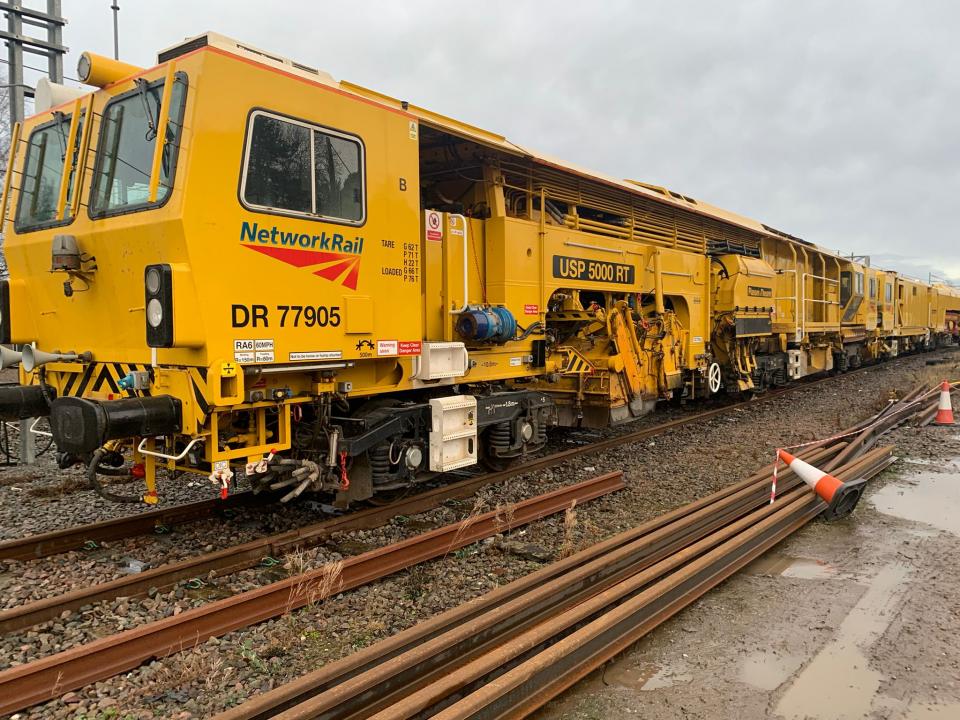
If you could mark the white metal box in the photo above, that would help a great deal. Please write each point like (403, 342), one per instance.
(441, 360)
(453, 432)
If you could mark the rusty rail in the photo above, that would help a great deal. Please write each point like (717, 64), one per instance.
(43, 679)
(551, 658)
(238, 557)
(145, 523)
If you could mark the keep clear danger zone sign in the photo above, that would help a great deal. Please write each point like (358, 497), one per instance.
(434, 226)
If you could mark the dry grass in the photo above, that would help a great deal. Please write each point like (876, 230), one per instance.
(64, 487)
(311, 589)
(503, 517)
(192, 666)
(479, 506)
(568, 545)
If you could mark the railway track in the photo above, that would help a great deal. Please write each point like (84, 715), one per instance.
(153, 521)
(34, 682)
(246, 555)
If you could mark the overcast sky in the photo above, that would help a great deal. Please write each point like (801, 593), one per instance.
(834, 121)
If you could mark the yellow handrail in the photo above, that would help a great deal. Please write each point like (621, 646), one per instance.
(68, 161)
(14, 146)
(161, 133)
(82, 156)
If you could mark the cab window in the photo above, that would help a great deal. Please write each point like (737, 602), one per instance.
(42, 173)
(858, 288)
(873, 288)
(128, 136)
(296, 168)
(888, 293)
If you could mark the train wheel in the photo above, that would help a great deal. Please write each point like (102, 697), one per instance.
(714, 378)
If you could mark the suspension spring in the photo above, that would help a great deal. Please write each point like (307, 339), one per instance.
(380, 464)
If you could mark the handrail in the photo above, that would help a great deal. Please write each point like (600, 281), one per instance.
(141, 448)
(68, 158)
(82, 156)
(466, 264)
(161, 132)
(11, 156)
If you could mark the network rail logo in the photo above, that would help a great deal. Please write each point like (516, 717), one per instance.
(336, 258)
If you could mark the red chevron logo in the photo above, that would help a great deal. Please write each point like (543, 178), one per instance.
(342, 267)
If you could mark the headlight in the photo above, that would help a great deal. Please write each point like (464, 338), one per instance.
(158, 300)
(154, 313)
(152, 280)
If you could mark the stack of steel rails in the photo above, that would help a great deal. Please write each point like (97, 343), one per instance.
(508, 652)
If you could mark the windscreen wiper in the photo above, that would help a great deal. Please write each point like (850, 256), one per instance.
(142, 87)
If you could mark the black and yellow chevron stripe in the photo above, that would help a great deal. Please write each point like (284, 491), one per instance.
(577, 364)
(103, 377)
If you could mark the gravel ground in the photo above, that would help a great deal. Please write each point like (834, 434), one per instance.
(661, 473)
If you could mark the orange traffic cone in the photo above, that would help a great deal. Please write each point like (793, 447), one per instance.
(945, 409)
(841, 497)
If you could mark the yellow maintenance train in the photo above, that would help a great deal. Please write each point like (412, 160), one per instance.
(232, 262)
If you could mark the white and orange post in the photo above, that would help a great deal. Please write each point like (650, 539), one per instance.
(945, 408)
(841, 497)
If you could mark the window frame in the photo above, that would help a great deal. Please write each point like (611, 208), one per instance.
(174, 159)
(20, 229)
(312, 126)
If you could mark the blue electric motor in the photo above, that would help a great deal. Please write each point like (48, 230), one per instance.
(487, 324)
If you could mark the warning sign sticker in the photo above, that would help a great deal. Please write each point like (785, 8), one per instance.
(387, 347)
(409, 347)
(433, 222)
(316, 355)
(531, 309)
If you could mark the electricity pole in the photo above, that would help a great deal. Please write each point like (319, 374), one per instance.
(51, 48)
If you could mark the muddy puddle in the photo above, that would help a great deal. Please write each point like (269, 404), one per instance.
(767, 670)
(839, 681)
(932, 498)
(792, 567)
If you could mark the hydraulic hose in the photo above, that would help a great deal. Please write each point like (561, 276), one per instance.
(94, 467)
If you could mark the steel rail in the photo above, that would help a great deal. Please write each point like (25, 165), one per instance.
(45, 544)
(368, 681)
(407, 683)
(551, 657)
(34, 682)
(308, 685)
(241, 556)
(145, 523)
